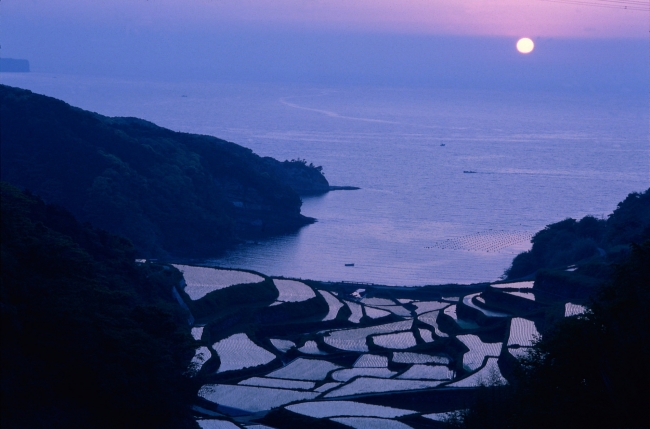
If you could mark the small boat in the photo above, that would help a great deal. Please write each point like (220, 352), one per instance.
(349, 265)
(442, 144)
(469, 171)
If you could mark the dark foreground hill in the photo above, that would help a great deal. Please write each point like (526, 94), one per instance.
(89, 338)
(168, 192)
(584, 371)
(588, 371)
(571, 241)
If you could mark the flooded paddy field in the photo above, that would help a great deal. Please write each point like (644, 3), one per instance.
(282, 353)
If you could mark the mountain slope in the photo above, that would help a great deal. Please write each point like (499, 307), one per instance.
(168, 192)
(89, 337)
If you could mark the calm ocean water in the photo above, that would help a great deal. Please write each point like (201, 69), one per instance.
(419, 218)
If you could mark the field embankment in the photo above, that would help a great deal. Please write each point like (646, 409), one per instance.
(170, 193)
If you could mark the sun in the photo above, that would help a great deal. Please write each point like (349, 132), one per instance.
(525, 45)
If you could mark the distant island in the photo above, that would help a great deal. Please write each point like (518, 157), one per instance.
(13, 65)
(170, 193)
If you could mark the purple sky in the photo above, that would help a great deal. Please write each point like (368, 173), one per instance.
(513, 18)
(393, 42)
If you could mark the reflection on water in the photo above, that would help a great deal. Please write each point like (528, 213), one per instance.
(538, 158)
(382, 251)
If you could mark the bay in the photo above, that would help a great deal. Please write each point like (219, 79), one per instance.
(419, 218)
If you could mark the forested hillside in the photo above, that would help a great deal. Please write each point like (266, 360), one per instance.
(90, 339)
(570, 241)
(587, 370)
(170, 193)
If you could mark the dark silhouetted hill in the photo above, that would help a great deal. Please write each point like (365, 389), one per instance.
(586, 371)
(570, 241)
(170, 193)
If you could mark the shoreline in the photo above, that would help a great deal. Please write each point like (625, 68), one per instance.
(351, 286)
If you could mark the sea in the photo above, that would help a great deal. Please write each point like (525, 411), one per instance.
(453, 183)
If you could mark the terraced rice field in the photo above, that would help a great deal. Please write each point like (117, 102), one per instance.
(426, 336)
(428, 372)
(333, 303)
(375, 313)
(463, 324)
(238, 352)
(201, 356)
(279, 383)
(451, 312)
(377, 301)
(427, 306)
(357, 311)
(293, 291)
(489, 313)
(478, 350)
(323, 409)
(401, 340)
(490, 374)
(439, 417)
(431, 320)
(327, 386)
(395, 309)
(311, 348)
(282, 345)
(370, 423)
(305, 369)
(525, 295)
(202, 280)
(573, 309)
(522, 332)
(197, 333)
(216, 424)
(519, 352)
(517, 285)
(251, 398)
(375, 385)
(371, 361)
(355, 339)
(408, 357)
(351, 344)
(347, 374)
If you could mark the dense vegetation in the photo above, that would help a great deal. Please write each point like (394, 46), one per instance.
(89, 338)
(570, 241)
(588, 371)
(168, 192)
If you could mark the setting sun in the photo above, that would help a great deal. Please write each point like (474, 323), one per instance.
(525, 45)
